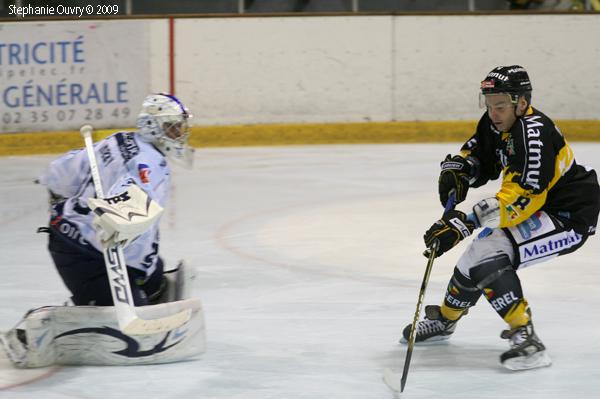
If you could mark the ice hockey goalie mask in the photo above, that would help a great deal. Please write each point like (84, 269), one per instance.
(163, 121)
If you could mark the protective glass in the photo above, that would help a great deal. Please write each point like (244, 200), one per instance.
(496, 101)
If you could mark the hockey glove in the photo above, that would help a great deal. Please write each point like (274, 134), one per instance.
(451, 229)
(455, 175)
(124, 217)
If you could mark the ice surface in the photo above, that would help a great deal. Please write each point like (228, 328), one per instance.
(308, 262)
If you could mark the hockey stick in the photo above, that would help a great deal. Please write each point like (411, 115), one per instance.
(116, 269)
(389, 377)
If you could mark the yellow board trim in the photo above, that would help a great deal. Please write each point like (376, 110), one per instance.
(292, 134)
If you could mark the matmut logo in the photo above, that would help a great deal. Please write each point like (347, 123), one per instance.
(144, 171)
(534, 151)
(549, 245)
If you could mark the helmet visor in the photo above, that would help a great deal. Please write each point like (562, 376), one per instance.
(496, 101)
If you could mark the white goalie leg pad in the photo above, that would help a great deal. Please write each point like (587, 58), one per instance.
(36, 328)
(89, 335)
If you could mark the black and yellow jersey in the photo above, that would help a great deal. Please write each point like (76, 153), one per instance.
(539, 172)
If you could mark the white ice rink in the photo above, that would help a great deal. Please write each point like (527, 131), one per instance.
(308, 263)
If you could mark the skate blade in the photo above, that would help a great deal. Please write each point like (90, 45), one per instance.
(537, 360)
(433, 340)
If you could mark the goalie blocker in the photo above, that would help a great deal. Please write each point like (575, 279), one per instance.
(90, 335)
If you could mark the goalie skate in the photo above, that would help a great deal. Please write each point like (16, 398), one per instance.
(175, 285)
(526, 352)
(434, 327)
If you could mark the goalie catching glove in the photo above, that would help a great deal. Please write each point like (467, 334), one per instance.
(124, 217)
(451, 229)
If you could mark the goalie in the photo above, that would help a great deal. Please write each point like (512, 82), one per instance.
(135, 174)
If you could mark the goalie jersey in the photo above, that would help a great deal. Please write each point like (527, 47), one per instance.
(123, 160)
(539, 172)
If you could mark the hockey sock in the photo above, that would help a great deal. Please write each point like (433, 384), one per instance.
(461, 294)
(517, 315)
(502, 288)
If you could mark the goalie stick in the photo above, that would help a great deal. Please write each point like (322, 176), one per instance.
(116, 268)
(392, 379)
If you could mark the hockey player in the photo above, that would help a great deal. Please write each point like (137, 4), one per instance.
(547, 206)
(133, 167)
(77, 234)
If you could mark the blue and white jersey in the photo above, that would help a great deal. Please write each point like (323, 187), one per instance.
(123, 159)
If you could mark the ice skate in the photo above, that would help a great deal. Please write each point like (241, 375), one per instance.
(526, 352)
(434, 327)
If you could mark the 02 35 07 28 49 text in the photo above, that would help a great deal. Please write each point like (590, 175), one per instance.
(90, 114)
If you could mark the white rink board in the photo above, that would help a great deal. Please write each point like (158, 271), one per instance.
(380, 68)
(438, 75)
(260, 70)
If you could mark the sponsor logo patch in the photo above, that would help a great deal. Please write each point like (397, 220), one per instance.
(144, 171)
(488, 84)
(457, 223)
(70, 231)
(105, 154)
(510, 146)
(535, 226)
(455, 303)
(504, 301)
(127, 145)
(528, 227)
(498, 76)
(534, 152)
(512, 212)
(551, 245)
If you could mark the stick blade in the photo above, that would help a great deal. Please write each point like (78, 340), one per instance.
(392, 379)
(152, 326)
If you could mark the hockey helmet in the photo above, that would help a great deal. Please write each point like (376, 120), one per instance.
(512, 80)
(163, 121)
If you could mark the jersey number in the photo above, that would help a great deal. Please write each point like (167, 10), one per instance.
(522, 202)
